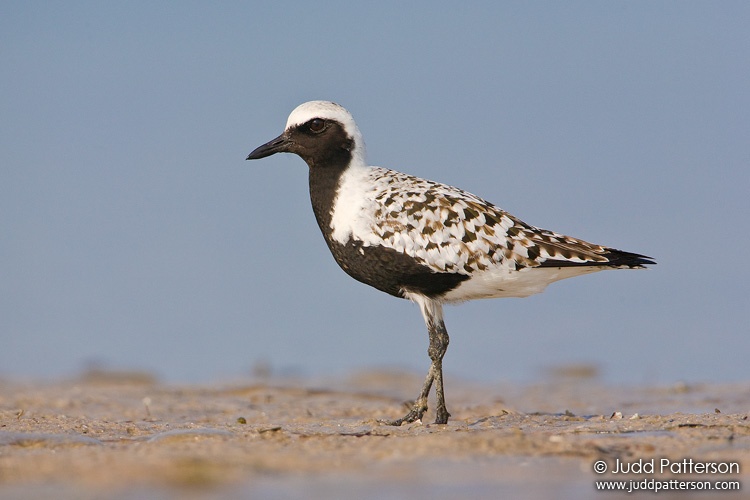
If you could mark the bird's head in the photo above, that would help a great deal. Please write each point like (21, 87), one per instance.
(321, 133)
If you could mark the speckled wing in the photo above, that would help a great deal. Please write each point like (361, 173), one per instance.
(451, 230)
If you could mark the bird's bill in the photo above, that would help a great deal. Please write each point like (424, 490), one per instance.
(278, 145)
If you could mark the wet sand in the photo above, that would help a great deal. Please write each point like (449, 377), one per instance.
(109, 435)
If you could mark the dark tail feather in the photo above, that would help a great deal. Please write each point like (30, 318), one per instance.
(618, 258)
(615, 258)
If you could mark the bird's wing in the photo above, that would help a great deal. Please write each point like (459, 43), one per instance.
(451, 230)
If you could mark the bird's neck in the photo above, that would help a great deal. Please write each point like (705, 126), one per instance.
(325, 180)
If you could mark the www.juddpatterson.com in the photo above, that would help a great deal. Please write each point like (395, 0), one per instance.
(656, 485)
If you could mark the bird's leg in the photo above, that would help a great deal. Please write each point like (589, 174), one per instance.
(419, 406)
(432, 311)
(438, 346)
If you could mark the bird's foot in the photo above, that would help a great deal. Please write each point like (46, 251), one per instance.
(441, 415)
(416, 413)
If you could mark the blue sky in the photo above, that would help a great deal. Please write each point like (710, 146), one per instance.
(135, 235)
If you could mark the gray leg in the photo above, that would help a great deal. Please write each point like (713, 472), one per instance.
(438, 346)
(420, 405)
(432, 311)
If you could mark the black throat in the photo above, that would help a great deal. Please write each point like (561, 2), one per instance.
(324, 179)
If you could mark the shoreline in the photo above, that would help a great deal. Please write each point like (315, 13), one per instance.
(121, 435)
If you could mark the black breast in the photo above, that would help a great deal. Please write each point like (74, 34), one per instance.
(386, 269)
(391, 271)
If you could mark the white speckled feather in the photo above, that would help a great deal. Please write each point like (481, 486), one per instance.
(450, 230)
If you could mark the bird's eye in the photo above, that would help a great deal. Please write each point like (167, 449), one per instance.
(317, 125)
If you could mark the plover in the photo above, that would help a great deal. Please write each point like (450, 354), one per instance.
(421, 240)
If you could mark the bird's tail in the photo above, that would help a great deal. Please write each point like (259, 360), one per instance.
(614, 258)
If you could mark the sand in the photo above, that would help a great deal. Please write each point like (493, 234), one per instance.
(123, 435)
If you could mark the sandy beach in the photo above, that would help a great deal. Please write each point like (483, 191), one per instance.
(126, 435)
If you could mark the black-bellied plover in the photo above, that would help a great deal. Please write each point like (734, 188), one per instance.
(421, 240)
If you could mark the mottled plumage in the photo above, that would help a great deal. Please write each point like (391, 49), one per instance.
(422, 240)
(451, 231)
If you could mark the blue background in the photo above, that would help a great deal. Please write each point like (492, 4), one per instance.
(135, 235)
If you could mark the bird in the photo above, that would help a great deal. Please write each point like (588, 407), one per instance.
(421, 240)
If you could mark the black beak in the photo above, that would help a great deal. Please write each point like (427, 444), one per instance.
(279, 145)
